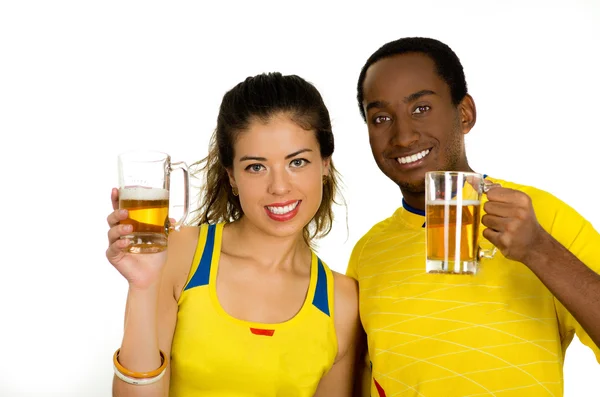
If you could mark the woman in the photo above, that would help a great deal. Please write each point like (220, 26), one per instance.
(241, 305)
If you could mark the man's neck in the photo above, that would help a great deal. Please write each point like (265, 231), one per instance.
(416, 200)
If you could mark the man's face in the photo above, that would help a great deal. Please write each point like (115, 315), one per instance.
(413, 125)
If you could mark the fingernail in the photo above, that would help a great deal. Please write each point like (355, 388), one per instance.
(122, 212)
(127, 228)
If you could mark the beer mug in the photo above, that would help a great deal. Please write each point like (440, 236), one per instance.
(144, 179)
(453, 221)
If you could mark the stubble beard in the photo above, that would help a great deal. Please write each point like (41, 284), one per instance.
(416, 187)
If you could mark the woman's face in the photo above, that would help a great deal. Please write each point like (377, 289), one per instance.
(278, 171)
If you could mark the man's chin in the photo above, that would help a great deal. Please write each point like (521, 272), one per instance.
(414, 187)
(414, 183)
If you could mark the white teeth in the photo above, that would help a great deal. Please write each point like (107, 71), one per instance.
(413, 158)
(283, 210)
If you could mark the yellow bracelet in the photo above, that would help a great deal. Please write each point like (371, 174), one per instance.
(140, 375)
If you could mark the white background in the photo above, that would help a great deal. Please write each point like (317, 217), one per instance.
(81, 81)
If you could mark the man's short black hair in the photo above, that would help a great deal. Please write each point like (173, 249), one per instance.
(448, 66)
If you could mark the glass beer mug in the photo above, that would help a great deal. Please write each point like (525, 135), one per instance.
(144, 181)
(453, 222)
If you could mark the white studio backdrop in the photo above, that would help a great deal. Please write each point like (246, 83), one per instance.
(81, 81)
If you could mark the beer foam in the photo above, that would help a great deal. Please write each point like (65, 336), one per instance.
(454, 202)
(143, 193)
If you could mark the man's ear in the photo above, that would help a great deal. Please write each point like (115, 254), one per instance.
(467, 113)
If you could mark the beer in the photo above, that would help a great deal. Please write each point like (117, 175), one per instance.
(452, 235)
(148, 214)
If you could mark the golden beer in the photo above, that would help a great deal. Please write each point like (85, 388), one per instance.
(148, 214)
(452, 235)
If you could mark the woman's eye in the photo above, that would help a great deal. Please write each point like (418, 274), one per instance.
(254, 167)
(298, 162)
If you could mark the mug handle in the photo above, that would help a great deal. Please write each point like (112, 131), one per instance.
(487, 253)
(183, 167)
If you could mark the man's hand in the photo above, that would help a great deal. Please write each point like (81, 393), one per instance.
(511, 223)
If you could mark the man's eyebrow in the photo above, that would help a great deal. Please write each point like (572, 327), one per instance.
(376, 104)
(414, 96)
(411, 98)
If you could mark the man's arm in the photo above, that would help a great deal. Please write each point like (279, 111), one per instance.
(513, 228)
(362, 380)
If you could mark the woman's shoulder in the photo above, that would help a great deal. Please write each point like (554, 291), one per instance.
(180, 254)
(184, 236)
(346, 318)
(346, 297)
(347, 286)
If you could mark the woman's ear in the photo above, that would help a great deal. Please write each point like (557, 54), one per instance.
(326, 166)
(231, 177)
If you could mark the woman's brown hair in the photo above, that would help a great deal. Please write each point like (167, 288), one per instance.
(261, 98)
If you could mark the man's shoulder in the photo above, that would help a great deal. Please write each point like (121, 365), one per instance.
(551, 211)
(378, 229)
(538, 196)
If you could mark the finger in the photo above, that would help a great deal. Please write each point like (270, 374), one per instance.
(492, 236)
(474, 180)
(499, 208)
(116, 251)
(494, 222)
(116, 216)
(115, 233)
(114, 196)
(502, 194)
(487, 185)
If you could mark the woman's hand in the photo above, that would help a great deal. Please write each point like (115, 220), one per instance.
(142, 271)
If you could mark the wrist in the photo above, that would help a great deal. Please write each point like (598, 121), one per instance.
(540, 251)
(145, 289)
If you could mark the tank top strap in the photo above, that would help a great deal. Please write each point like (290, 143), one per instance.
(200, 271)
(323, 297)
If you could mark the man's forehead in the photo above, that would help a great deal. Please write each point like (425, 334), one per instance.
(409, 72)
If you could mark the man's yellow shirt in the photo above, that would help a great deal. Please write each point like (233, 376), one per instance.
(500, 332)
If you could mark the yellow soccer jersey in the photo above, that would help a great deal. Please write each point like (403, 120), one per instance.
(497, 333)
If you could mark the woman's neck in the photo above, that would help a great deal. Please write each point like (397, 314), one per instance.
(244, 239)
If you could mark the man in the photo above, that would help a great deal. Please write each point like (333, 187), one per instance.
(504, 331)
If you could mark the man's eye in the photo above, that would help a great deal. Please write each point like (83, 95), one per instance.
(380, 119)
(421, 109)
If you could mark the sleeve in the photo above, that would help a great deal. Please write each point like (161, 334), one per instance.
(579, 236)
(353, 263)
